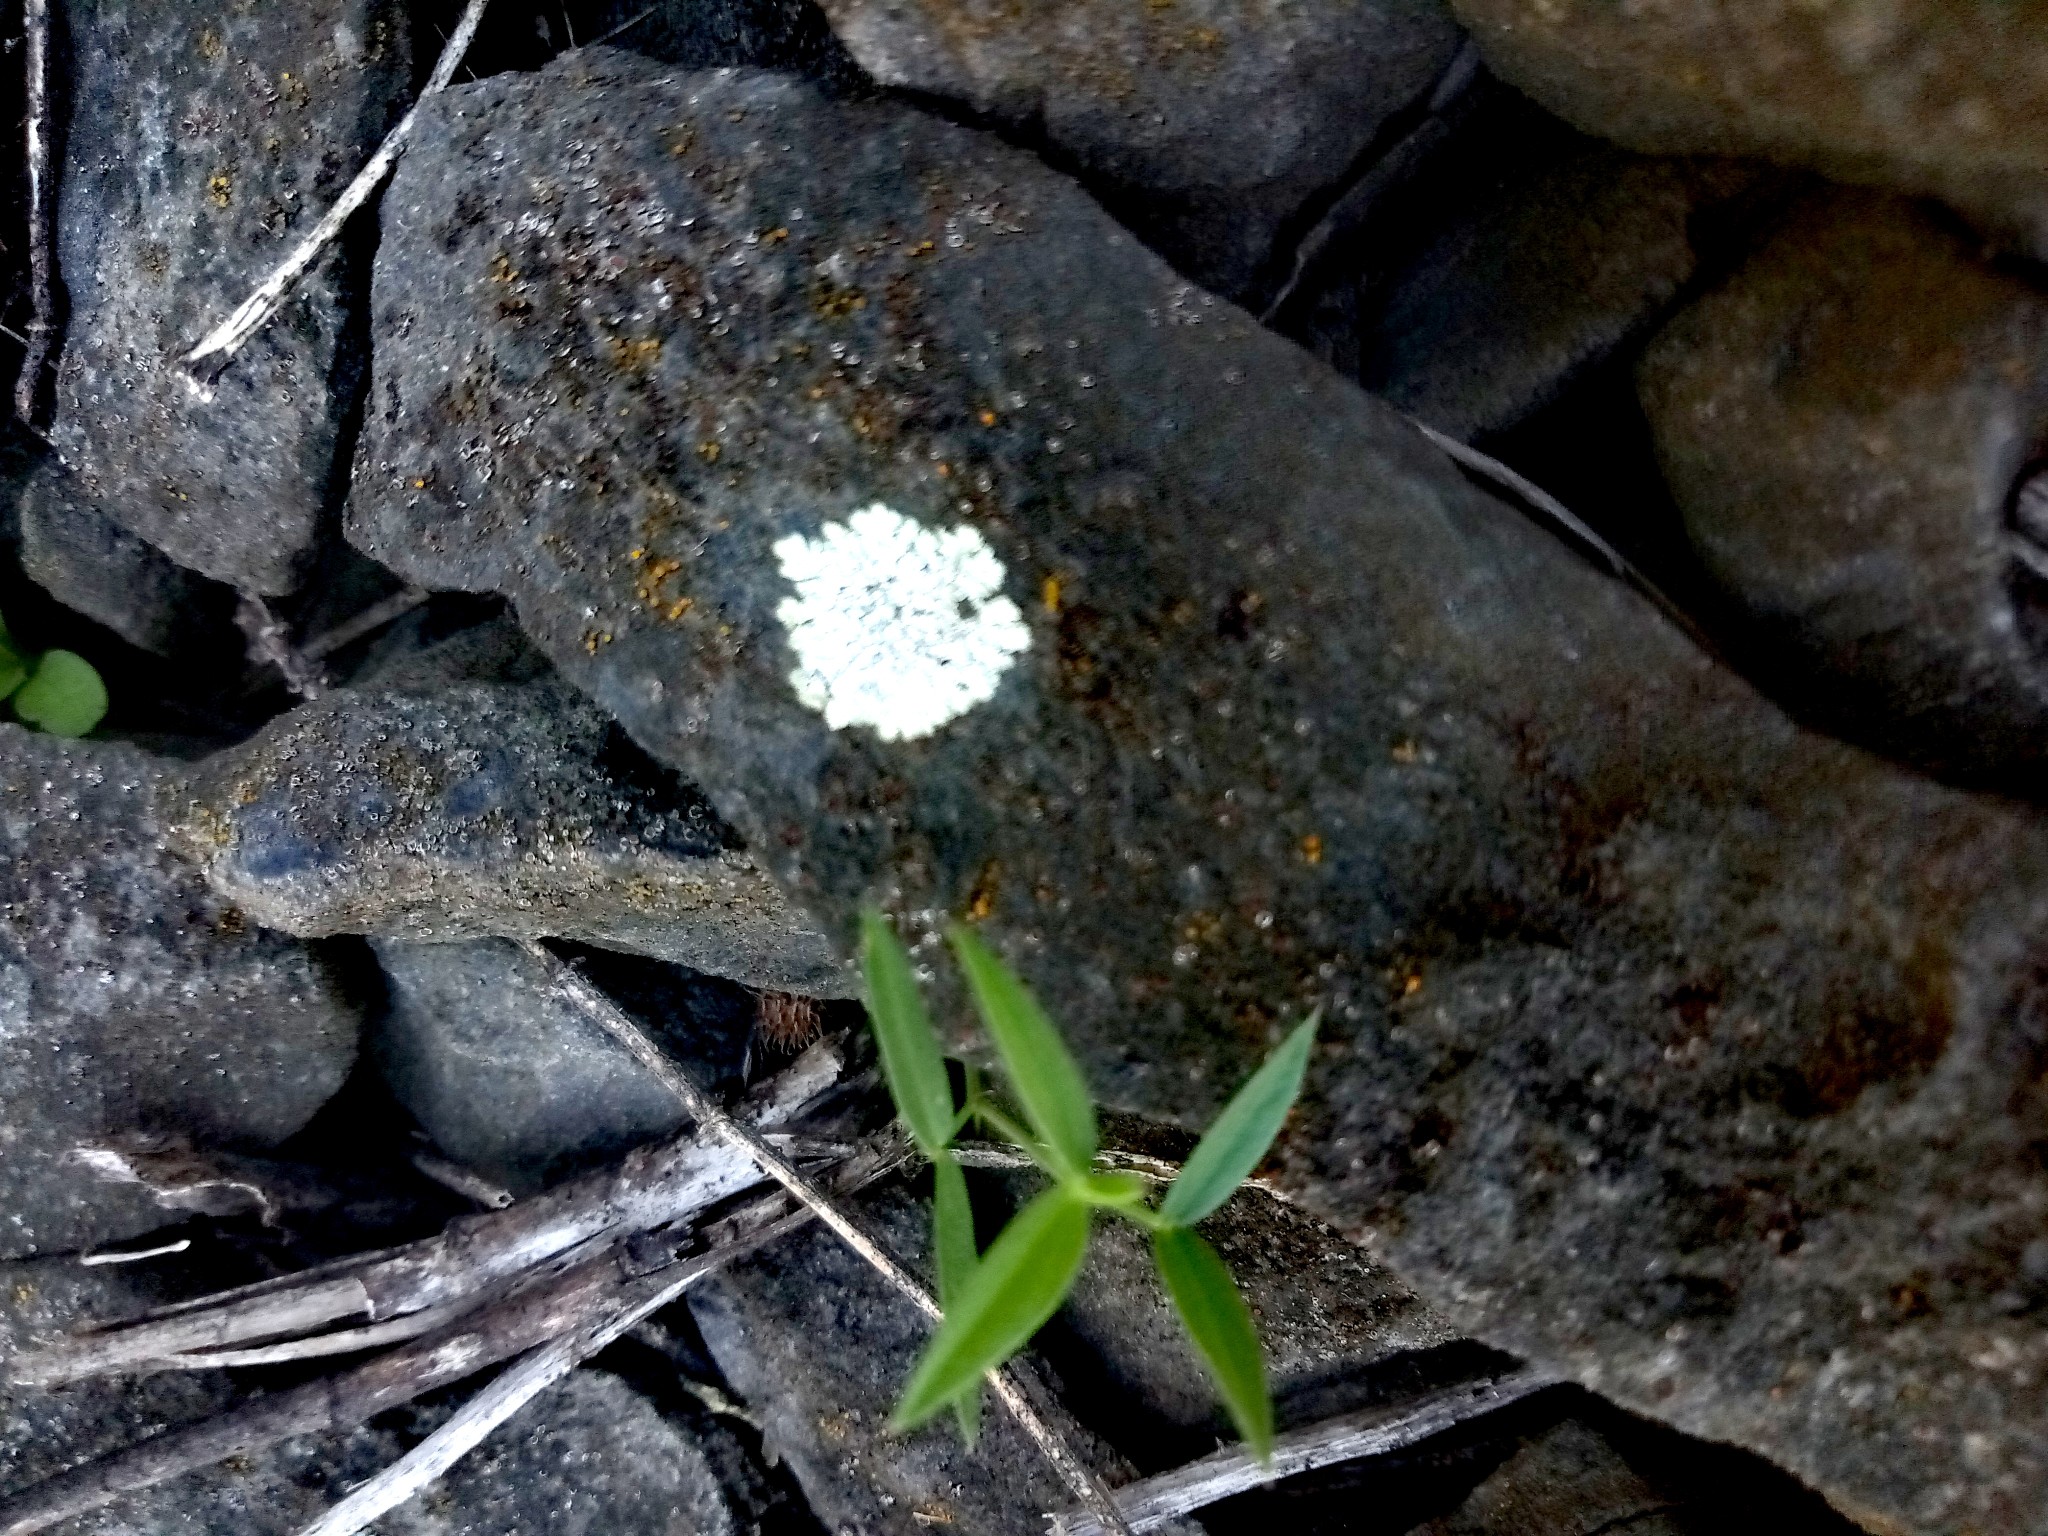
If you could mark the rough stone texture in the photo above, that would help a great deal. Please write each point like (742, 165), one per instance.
(89, 562)
(819, 1347)
(203, 141)
(505, 1074)
(131, 997)
(1941, 96)
(1665, 1042)
(1213, 127)
(439, 811)
(1528, 288)
(591, 1458)
(1842, 423)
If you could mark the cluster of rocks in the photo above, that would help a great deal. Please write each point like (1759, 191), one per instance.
(961, 457)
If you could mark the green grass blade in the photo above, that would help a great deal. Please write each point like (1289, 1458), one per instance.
(1048, 1085)
(13, 670)
(1242, 1133)
(911, 1060)
(1019, 1283)
(1215, 1317)
(967, 1415)
(953, 1249)
(64, 695)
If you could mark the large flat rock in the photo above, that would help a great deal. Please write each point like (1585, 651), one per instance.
(974, 563)
(203, 143)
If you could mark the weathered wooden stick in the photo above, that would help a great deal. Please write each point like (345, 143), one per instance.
(217, 349)
(42, 215)
(1154, 1501)
(1079, 1477)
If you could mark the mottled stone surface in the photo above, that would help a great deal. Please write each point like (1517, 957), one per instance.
(589, 1458)
(1941, 96)
(819, 1346)
(1666, 1043)
(505, 1074)
(440, 811)
(1525, 289)
(89, 562)
(1842, 423)
(1562, 1480)
(132, 998)
(203, 142)
(1214, 128)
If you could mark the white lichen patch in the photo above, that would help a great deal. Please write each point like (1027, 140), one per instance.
(895, 625)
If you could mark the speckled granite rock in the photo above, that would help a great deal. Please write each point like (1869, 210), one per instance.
(511, 1079)
(1941, 96)
(89, 562)
(1213, 127)
(1665, 1042)
(590, 1458)
(1842, 423)
(463, 811)
(132, 998)
(202, 142)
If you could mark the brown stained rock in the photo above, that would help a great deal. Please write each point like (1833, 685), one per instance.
(1948, 97)
(1212, 126)
(204, 142)
(1664, 1041)
(1842, 423)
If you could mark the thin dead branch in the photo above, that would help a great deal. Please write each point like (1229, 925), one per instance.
(42, 215)
(1007, 1381)
(651, 1186)
(1155, 1501)
(217, 349)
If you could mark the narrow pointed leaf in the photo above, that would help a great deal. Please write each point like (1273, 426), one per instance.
(13, 670)
(967, 1414)
(1242, 1133)
(911, 1059)
(1019, 1283)
(64, 695)
(1048, 1085)
(953, 1249)
(1216, 1319)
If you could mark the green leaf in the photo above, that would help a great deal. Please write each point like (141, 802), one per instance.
(1047, 1083)
(911, 1060)
(1020, 1282)
(956, 1256)
(13, 670)
(1215, 1317)
(64, 696)
(1242, 1133)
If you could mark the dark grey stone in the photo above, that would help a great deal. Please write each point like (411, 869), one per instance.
(505, 1074)
(1923, 95)
(591, 1456)
(203, 142)
(1842, 423)
(89, 562)
(1527, 288)
(132, 998)
(1562, 1480)
(440, 811)
(1664, 1042)
(1213, 128)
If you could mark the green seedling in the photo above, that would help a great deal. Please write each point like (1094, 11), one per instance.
(59, 691)
(995, 1301)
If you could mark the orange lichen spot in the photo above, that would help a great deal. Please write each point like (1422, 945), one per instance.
(636, 554)
(945, 469)
(593, 638)
(635, 354)
(1406, 751)
(210, 45)
(220, 186)
(924, 247)
(836, 303)
(1049, 594)
(502, 270)
(679, 607)
(1411, 984)
(981, 897)
(988, 418)
(1312, 849)
(776, 235)
(419, 482)
(708, 451)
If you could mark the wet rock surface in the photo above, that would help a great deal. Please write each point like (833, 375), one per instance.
(1665, 1043)
(461, 810)
(132, 998)
(1843, 423)
(1926, 96)
(203, 144)
(509, 1078)
(1217, 127)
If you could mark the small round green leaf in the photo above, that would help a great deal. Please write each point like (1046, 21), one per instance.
(1216, 1319)
(1019, 1283)
(64, 695)
(911, 1060)
(1242, 1133)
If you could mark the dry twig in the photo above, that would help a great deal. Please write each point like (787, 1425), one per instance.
(217, 349)
(1008, 1381)
(42, 214)
(1149, 1504)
